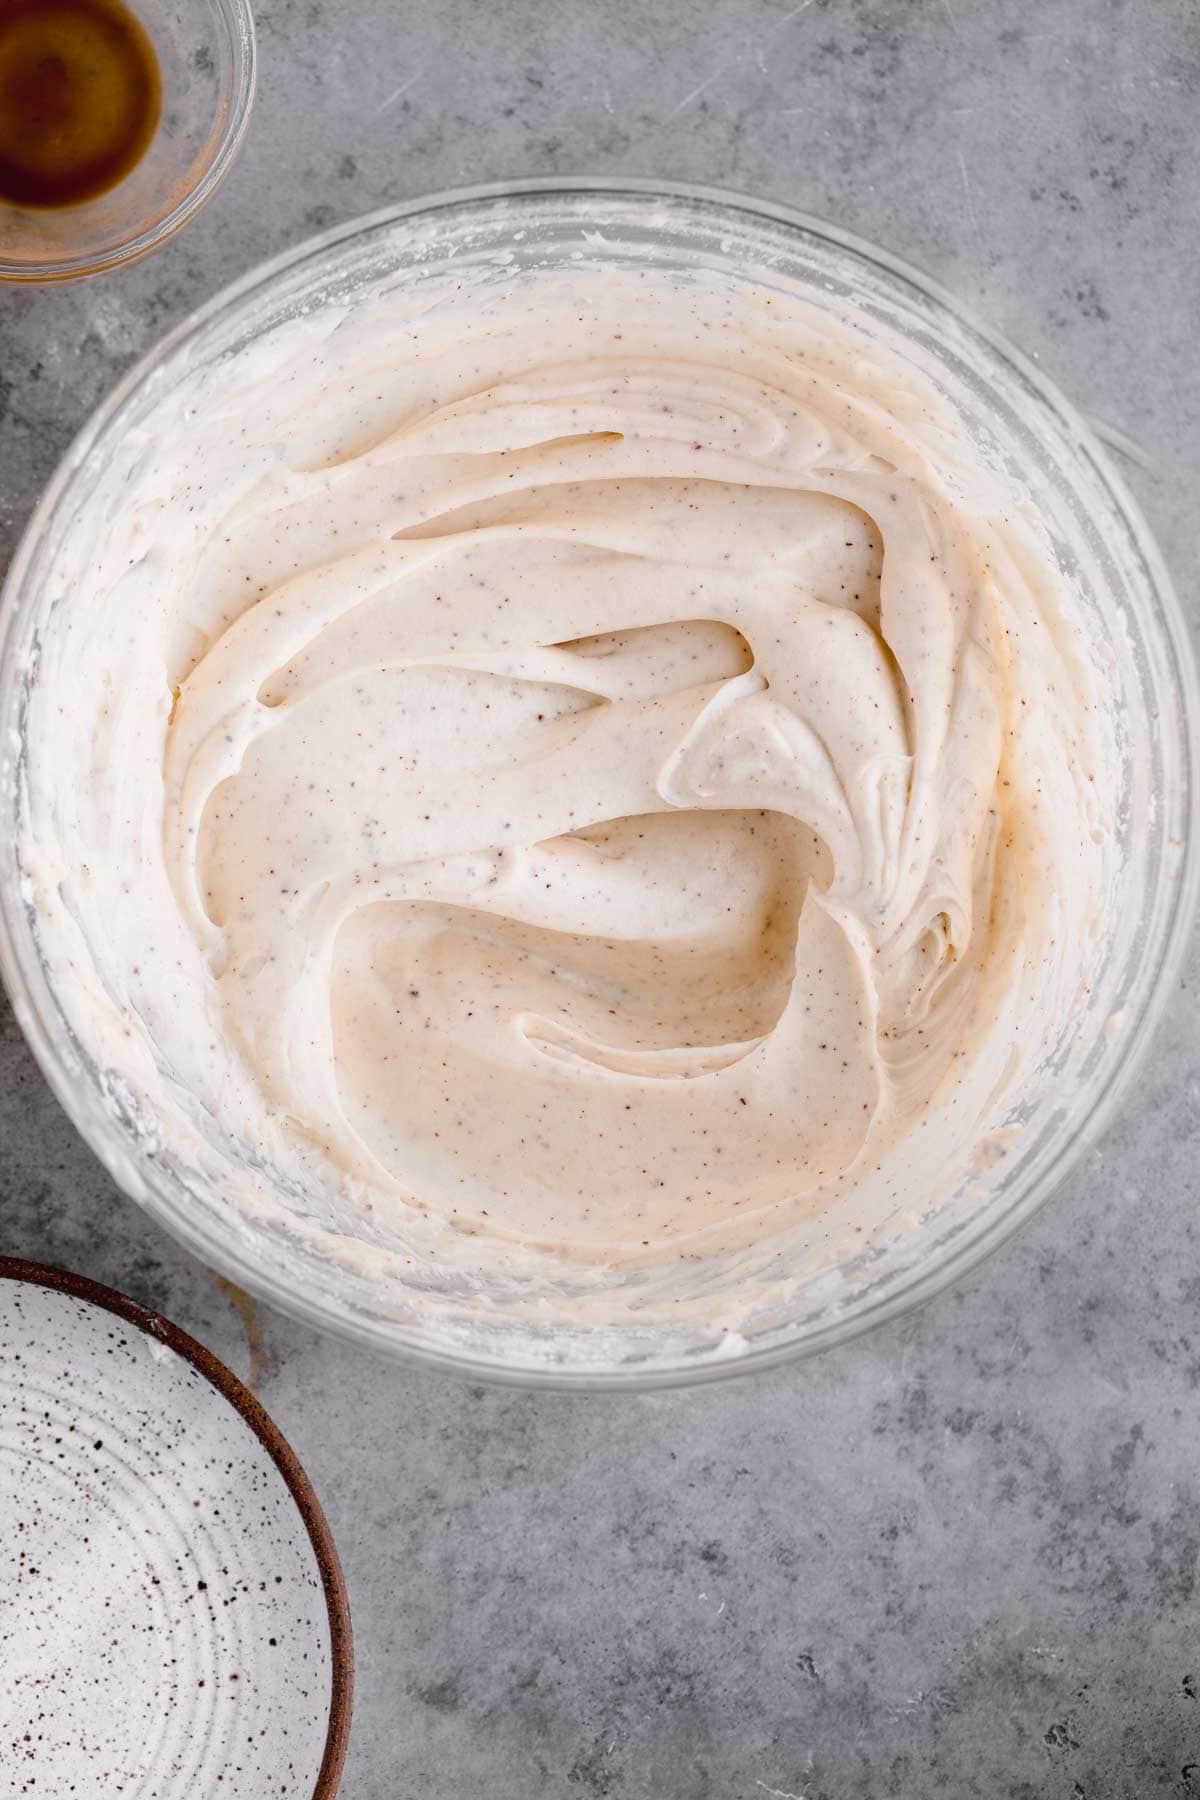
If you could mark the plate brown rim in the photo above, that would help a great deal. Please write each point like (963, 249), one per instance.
(254, 1414)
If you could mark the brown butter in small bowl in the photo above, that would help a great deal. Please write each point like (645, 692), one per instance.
(80, 99)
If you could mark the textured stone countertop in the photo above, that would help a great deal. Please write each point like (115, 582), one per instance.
(960, 1557)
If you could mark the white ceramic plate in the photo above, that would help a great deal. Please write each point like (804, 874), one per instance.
(173, 1620)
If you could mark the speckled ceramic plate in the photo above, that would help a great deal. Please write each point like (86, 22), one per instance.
(173, 1621)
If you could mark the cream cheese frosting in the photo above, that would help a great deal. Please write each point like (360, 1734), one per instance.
(593, 761)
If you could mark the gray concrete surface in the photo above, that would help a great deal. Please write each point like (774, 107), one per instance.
(959, 1558)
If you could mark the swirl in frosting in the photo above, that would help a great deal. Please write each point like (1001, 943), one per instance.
(625, 772)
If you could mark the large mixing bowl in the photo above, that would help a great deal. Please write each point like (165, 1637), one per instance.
(1019, 423)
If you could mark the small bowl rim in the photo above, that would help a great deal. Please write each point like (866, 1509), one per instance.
(254, 1415)
(239, 18)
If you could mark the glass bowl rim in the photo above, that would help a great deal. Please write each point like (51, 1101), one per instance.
(22, 974)
(239, 18)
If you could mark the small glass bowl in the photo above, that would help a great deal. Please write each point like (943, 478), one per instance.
(205, 50)
(1018, 420)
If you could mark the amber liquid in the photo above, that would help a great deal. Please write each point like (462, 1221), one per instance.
(80, 97)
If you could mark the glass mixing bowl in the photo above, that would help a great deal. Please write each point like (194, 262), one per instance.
(1019, 423)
